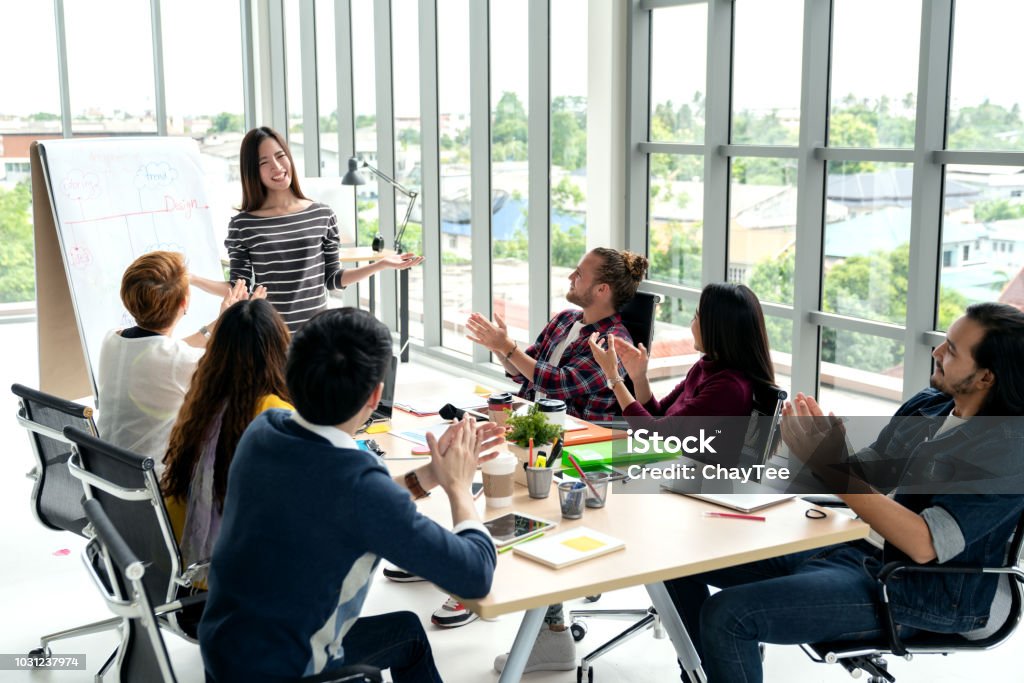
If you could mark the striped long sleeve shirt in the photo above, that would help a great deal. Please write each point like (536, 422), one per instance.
(294, 256)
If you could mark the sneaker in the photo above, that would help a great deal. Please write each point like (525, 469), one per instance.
(452, 614)
(400, 575)
(552, 651)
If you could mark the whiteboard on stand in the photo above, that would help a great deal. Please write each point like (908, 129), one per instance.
(113, 200)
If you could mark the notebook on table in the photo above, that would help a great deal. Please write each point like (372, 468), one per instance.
(569, 547)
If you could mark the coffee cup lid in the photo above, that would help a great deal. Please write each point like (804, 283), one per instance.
(502, 397)
(551, 405)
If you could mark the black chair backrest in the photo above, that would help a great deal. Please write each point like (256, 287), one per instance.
(56, 495)
(143, 655)
(125, 484)
(763, 433)
(638, 317)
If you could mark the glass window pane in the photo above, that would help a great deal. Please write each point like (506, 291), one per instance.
(679, 36)
(767, 39)
(874, 85)
(762, 226)
(405, 46)
(860, 374)
(568, 143)
(982, 252)
(984, 103)
(30, 102)
(103, 56)
(456, 208)
(676, 211)
(211, 105)
(364, 107)
(293, 82)
(509, 178)
(867, 245)
(327, 89)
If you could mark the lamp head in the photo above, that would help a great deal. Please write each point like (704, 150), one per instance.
(353, 177)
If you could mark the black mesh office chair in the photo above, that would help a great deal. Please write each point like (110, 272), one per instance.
(144, 655)
(761, 441)
(869, 656)
(126, 484)
(56, 496)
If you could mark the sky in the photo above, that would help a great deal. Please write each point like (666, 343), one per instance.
(875, 52)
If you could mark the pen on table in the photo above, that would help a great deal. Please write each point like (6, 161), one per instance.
(531, 451)
(733, 515)
(556, 450)
(583, 477)
(505, 548)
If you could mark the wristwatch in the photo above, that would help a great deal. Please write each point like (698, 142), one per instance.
(205, 331)
(612, 381)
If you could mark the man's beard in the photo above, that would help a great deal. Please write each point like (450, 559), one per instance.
(580, 298)
(957, 389)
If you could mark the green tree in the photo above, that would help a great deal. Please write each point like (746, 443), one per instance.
(986, 126)
(226, 121)
(772, 280)
(408, 137)
(17, 263)
(853, 128)
(991, 210)
(569, 132)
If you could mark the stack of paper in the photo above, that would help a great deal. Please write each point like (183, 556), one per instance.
(569, 547)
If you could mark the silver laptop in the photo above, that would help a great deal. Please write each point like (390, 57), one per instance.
(741, 502)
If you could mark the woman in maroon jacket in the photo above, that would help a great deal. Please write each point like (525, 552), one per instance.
(728, 329)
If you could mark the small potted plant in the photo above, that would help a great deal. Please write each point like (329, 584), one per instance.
(533, 425)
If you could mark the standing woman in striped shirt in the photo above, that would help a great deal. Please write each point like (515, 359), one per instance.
(284, 241)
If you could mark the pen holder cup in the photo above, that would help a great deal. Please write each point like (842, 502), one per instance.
(538, 481)
(600, 482)
(571, 495)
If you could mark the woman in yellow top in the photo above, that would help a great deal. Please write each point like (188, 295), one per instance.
(240, 375)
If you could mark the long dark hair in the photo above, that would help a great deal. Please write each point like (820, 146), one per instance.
(1001, 352)
(732, 330)
(253, 192)
(244, 361)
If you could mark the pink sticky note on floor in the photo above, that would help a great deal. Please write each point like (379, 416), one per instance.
(62, 552)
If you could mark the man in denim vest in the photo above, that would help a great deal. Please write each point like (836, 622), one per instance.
(971, 414)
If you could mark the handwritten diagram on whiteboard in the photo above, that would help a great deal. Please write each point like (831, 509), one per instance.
(115, 199)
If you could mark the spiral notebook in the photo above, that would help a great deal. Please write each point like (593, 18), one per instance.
(569, 547)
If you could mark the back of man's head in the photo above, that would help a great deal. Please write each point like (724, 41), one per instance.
(1001, 351)
(335, 362)
(153, 289)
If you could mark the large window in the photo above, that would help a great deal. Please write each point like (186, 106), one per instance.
(569, 45)
(104, 56)
(456, 179)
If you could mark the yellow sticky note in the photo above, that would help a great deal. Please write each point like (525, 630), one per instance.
(378, 428)
(583, 544)
(482, 390)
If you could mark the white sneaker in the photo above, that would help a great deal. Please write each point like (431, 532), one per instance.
(452, 614)
(552, 651)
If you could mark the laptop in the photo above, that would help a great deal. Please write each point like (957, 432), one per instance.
(741, 502)
(384, 409)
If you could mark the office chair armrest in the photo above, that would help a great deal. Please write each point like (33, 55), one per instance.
(892, 568)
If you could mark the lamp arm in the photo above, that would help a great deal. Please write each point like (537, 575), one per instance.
(391, 181)
(405, 222)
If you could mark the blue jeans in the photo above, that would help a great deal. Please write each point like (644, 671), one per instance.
(813, 596)
(393, 641)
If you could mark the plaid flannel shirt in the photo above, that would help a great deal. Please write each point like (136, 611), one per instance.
(577, 379)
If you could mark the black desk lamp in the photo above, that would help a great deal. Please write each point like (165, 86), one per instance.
(354, 177)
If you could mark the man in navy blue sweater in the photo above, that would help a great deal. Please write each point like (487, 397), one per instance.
(308, 515)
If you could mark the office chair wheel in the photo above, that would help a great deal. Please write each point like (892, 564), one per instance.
(579, 674)
(578, 630)
(37, 654)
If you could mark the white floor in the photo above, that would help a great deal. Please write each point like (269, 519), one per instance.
(43, 589)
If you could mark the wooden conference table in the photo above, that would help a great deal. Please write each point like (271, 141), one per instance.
(666, 537)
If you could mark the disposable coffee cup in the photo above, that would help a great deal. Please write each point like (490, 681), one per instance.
(553, 410)
(499, 407)
(499, 475)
